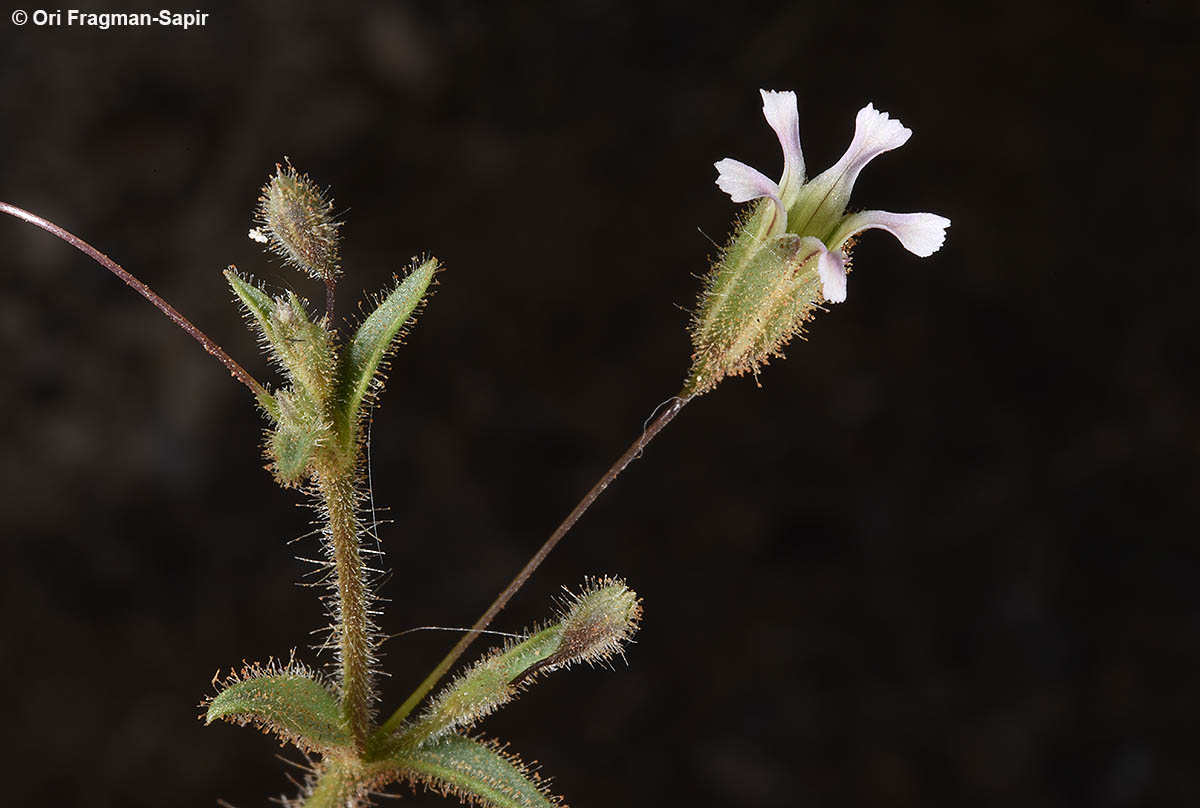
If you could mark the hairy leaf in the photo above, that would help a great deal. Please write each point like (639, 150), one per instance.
(484, 687)
(593, 626)
(361, 360)
(302, 348)
(288, 702)
(291, 448)
(258, 303)
(477, 772)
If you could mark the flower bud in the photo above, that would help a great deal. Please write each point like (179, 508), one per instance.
(597, 624)
(593, 626)
(297, 222)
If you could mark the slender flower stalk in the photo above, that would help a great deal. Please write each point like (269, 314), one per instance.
(622, 462)
(237, 371)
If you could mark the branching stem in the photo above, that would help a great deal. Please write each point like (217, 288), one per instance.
(236, 370)
(632, 453)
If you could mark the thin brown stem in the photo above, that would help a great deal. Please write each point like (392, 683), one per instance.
(632, 453)
(236, 370)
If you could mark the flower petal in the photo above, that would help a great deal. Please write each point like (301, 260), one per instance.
(831, 268)
(826, 197)
(921, 233)
(874, 134)
(779, 108)
(742, 182)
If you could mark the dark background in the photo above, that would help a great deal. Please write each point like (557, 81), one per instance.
(946, 554)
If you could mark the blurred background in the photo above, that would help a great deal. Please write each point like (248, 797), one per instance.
(945, 555)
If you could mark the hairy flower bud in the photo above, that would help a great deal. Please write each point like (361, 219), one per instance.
(597, 624)
(593, 626)
(296, 221)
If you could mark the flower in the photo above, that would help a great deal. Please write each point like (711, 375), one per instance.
(816, 209)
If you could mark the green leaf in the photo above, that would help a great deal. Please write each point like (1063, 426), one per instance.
(594, 625)
(291, 704)
(258, 303)
(259, 306)
(303, 348)
(484, 687)
(376, 336)
(479, 773)
(292, 449)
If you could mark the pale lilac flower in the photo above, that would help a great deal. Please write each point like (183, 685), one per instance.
(817, 208)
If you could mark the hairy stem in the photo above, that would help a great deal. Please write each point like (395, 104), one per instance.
(352, 628)
(332, 790)
(632, 453)
(330, 287)
(236, 370)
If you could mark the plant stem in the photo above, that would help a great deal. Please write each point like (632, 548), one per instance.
(624, 460)
(330, 286)
(333, 789)
(352, 627)
(236, 370)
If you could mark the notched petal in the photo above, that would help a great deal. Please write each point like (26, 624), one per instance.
(823, 201)
(875, 132)
(922, 234)
(742, 182)
(780, 110)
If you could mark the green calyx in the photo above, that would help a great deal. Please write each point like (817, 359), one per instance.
(758, 295)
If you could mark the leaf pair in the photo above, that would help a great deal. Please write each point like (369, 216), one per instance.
(322, 408)
(294, 704)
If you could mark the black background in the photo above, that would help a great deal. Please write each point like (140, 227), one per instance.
(945, 556)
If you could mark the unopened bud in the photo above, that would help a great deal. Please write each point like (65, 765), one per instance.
(297, 221)
(594, 625)
(597, 623)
